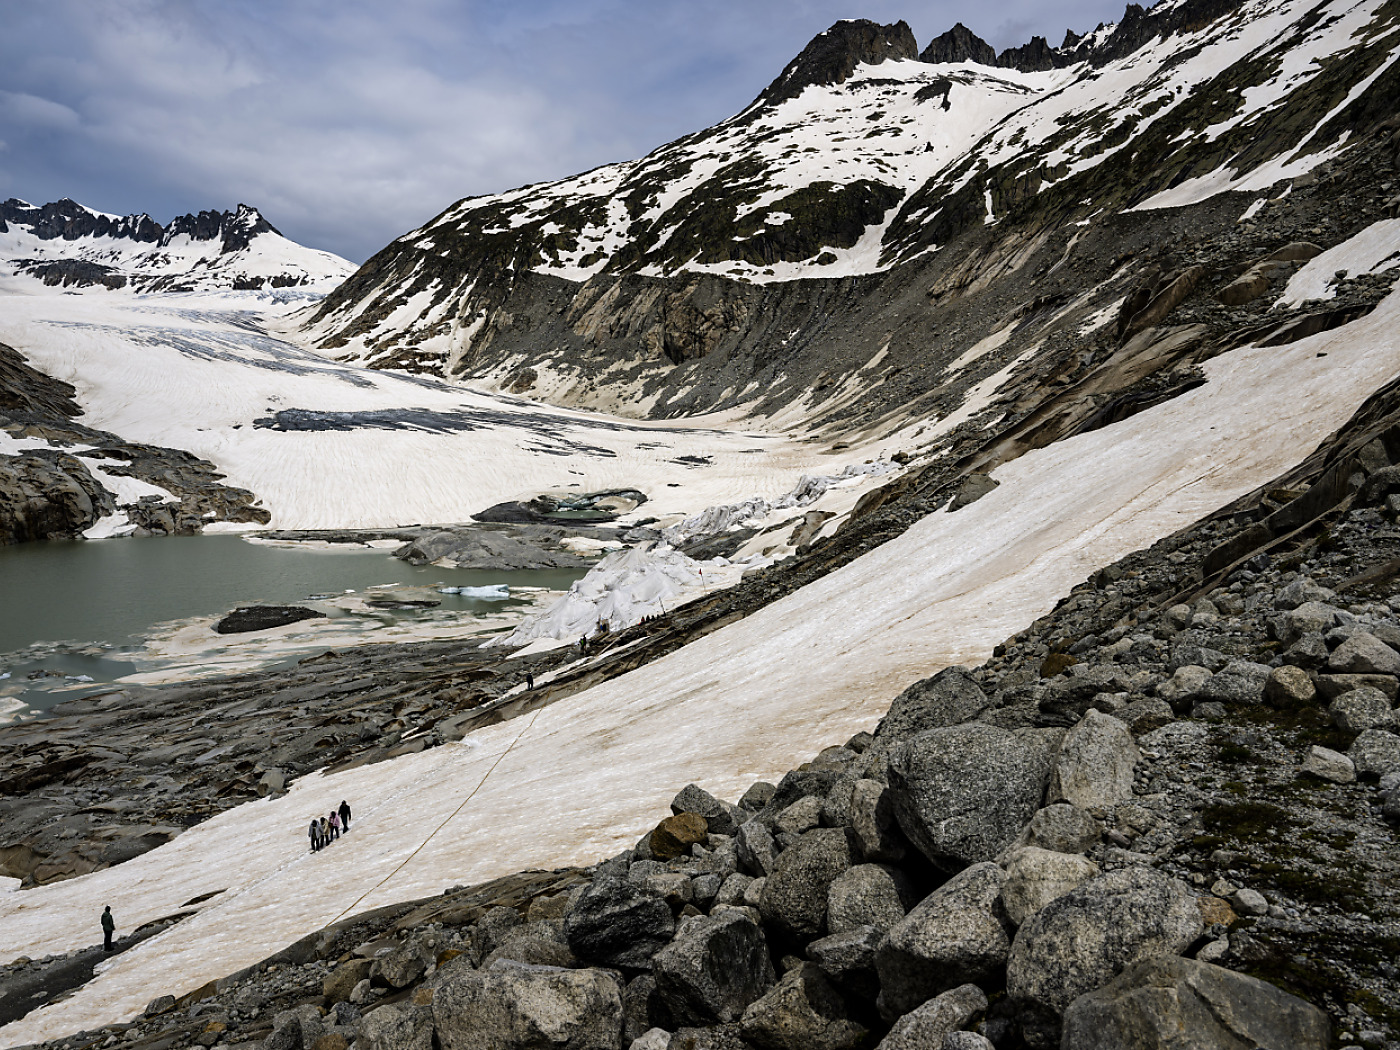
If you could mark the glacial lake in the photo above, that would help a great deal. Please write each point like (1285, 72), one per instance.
(83, 608)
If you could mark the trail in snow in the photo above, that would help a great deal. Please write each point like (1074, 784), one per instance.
(746, 702)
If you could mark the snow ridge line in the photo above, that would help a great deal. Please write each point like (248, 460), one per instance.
(447, 820)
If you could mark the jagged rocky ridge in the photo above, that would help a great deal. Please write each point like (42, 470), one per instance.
(50, 492)
(870, 230)
(66, 244)
(1183, 780)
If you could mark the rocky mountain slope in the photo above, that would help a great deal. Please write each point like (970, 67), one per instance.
(69, 245)
(875, 214)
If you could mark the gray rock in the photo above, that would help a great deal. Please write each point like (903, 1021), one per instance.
(1331, 686)
(800, 817)
(1195, 656)
(757, 850)
(731, 891)
(963, 794)
(1085, 938)
(867, 895)
(652, 1039)
(1096, 763)
(757, 796)
(1375, 751)
(1330, 765)
(719, 816)
(515, 1007)
(1289, 688)
(949, 698)
(956, 934)
(875, 823)
(401, 967)
(1310, 651)
(847, 957)
(614, 923)
(704, 889)
(1361, 709)
(641, 1008)
(1300, 591)
(966, 1041)
(1035, 877)
(1146, 714)
(804, 1012)
(1166, 1003)
(396, 1028)
(1062, 828)
(714, 969)
(1364, 653)
(1249, 902)
(161, 1004)
(795, 894)
(1238, 682)
(928, 1025)
(1308, 618)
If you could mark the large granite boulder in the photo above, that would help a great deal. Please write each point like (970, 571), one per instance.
(794, 896)
(804, 1012)
(1081, 941)
(867, 895)
(1035, 877)
(616, 923)
(958, 933)
(963, 793)
(517, 1007)
(931, 1023)
(714, 969)
(1167, 1003)
(949, 698)
(1094, 769)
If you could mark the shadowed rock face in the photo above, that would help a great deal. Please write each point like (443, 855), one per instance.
(960, 44)
(833, 56)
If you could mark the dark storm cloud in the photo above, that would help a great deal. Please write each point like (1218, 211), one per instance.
(348, 122)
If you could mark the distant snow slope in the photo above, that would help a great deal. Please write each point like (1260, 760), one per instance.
(68, 244)
(587, 775)
(330, 445)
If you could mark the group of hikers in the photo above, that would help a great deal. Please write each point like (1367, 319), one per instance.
(325, 830)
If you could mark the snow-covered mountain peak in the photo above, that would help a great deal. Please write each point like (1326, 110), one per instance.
(833, 56)
(69, 244)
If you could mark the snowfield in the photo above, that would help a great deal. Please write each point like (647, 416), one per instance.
(360, 448)
(586, 776)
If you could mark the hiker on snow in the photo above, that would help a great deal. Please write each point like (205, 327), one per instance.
(325, 832)
(315, 834)
(344, 815)
(109, 926)
(335, 825)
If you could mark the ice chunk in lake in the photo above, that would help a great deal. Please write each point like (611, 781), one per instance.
(492, 592)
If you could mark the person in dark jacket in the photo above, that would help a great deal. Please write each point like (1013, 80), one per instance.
(315, 834)
(109, 926)
(344, 815)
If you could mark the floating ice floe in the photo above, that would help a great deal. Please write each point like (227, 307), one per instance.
(492, 592)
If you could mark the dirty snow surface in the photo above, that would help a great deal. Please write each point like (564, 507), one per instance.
(586, 776)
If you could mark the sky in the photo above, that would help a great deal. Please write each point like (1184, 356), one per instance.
(350, 122)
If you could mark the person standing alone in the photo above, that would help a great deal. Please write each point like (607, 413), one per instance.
(344, 815)
(109, 926)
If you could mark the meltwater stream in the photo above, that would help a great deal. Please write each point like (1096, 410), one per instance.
(74, 615)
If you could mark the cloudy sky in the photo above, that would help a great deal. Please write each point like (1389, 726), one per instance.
(349, 122)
